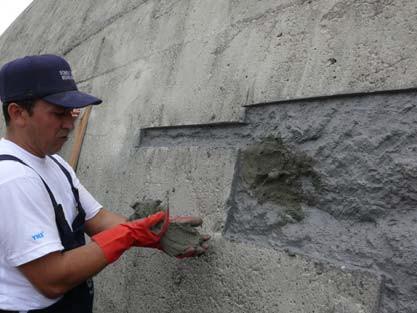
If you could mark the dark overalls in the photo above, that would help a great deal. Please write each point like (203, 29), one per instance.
(80, 298)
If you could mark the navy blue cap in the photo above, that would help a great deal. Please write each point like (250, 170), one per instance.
(46, 77)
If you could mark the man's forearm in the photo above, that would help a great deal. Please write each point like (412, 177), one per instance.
(58, 272)
(103, 220)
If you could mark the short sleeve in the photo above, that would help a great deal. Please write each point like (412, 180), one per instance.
(90, 205)
(27, 228)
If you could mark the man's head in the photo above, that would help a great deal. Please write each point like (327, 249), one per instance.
(39, 92)
(46, 77)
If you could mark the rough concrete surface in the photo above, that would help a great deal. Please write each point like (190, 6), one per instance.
(354, 202)
(198, 182)
(336, 186)
(242, 277)
(331, 178)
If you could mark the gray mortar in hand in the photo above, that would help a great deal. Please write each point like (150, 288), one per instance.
(177, 238)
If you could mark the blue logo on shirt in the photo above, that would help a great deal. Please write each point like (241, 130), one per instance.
(38, 236)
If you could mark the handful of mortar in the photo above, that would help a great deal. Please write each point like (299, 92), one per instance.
(181, 233)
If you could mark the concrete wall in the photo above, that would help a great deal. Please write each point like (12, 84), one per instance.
(310, 201)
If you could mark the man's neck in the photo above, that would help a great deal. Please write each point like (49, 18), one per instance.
(21, 142)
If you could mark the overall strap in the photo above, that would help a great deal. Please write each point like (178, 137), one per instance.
(68, 175)
(78, 223)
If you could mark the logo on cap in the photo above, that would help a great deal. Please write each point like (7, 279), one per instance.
(66, 75)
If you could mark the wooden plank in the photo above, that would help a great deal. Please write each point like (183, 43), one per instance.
(79, 138)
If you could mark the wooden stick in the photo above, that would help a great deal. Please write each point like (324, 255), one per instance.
(79, 138)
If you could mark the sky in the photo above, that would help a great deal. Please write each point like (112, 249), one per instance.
(9, 10)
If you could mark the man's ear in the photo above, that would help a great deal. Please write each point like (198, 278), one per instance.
(17, 114)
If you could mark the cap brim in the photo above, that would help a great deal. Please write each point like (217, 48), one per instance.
(72, 99)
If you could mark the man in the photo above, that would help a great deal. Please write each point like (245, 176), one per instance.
(45, 265)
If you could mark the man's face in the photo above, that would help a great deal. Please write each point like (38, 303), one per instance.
(48, 128)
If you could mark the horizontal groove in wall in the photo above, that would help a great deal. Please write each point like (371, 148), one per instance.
(335, 96)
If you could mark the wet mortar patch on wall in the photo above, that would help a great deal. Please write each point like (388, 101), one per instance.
(275, 173)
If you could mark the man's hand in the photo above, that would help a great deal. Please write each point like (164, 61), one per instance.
(181, 239)
(114, 241)
(75, 113)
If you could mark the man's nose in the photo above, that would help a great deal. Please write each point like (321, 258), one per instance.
(68, 122)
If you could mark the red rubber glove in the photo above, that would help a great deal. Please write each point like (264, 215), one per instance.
(116, 240)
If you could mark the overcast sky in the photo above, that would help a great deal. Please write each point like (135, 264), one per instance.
(9, 10)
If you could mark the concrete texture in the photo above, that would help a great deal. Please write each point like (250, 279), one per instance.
(194, 61)
(355, 200)
(241, 277)
(339, 182)
(329, 178)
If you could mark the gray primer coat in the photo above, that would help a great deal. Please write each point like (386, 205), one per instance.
(175, 76)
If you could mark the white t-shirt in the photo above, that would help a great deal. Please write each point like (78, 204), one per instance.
(27, 220)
